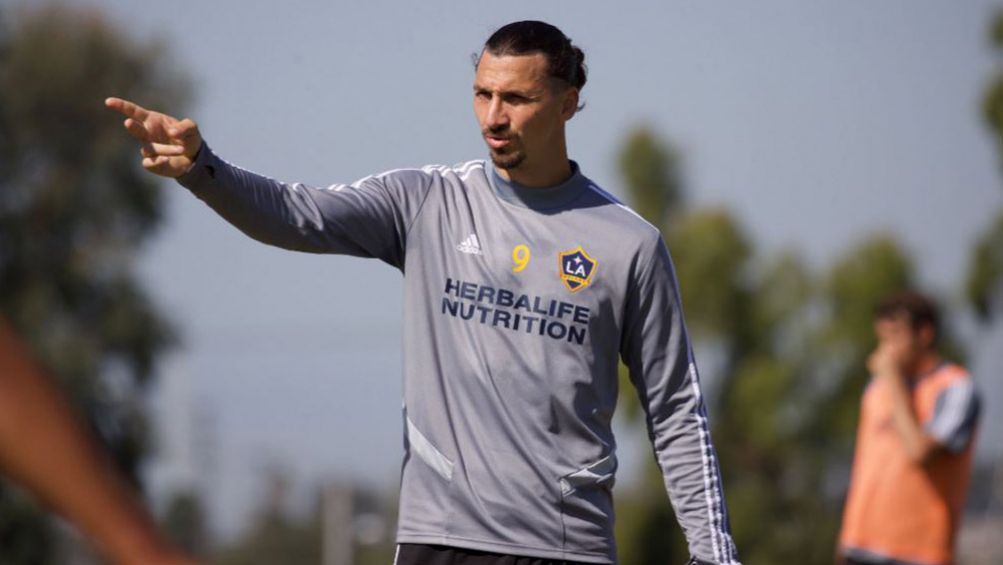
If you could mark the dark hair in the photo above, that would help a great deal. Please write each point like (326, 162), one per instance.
(918, 308)
(565, 61)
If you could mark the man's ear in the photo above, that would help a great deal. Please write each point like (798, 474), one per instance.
(569, 105)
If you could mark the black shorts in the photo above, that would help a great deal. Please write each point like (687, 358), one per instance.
(421, 554)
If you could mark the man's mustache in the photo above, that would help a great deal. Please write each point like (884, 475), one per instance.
(500, 131)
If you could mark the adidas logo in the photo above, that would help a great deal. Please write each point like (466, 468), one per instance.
(470, 245)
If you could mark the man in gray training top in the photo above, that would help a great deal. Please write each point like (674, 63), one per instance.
(524, 283)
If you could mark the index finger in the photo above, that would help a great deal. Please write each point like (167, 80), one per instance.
(130, 109)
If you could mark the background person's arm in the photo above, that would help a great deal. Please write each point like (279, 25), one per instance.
(47, 449)
(885, 364)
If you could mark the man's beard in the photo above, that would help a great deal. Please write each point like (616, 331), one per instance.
(507, 161)
(508, 157)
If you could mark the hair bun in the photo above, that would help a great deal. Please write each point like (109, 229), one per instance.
(580, 69)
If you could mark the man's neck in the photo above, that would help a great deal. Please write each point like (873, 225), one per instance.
(553, 174)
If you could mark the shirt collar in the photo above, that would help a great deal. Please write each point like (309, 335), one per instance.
(542, 198)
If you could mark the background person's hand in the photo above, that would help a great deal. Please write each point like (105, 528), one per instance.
(168, 145)
(888, 360)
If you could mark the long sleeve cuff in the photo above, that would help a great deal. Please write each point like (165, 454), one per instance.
(202, 171)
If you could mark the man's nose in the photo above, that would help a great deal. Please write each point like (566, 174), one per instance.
(497, 117)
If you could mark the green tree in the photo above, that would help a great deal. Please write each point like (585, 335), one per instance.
(651, 169)
(75, 208)
(854, 286)
(710, 252)
(185, 522)
(787, 347)
(275, 535)
(985, 272)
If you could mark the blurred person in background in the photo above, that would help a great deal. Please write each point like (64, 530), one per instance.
(524, 285)
(915, 441)
(46, 448)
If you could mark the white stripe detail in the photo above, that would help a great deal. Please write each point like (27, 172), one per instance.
(712, 494)
(458, 169)
(428, 453)
(463, 171)
(957, 402)
(397, 553)
(463, 167)
(706, 476)
(466, 174)
(598, 472)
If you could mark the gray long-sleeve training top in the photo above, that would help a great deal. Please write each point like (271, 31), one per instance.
(518, 303)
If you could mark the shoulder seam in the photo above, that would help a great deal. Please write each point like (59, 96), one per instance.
(467, 167)
(421, 207)
(616, 202)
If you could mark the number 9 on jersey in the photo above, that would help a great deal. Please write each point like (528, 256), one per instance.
(520, 256)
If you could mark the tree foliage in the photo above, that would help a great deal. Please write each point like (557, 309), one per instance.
(275, 534)
(651, 167)
(710, 249)
(788, 346)
(185, 522)
(75, 208)
(985, 271)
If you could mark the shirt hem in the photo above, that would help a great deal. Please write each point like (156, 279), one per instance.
(506, 548)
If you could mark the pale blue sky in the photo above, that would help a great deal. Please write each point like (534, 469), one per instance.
(818, 123)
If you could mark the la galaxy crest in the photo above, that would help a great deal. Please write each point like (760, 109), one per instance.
(576, 268)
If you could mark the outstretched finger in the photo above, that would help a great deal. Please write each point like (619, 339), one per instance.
(129, 109)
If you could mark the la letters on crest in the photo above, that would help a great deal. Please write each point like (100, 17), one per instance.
(576, 268)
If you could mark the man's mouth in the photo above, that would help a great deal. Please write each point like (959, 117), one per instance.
(497, 141)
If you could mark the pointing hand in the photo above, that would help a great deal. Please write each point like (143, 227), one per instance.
(168, 145)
